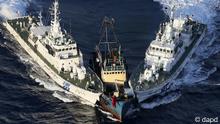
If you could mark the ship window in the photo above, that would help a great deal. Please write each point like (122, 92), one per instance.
(153, 48)
(160, 49)
(168, 51)
(164, 50)
(157, 49)
(171, 51)
(113, 72)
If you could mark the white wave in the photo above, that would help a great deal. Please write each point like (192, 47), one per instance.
(64, 97)
(160, 101)
(113, 119)
(49, 85)
(105, 112)
(193, 76)
(24, 59)
(13, 8)
(45, 82)
(201, 10)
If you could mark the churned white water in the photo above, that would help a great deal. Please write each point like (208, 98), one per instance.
(200, 10)
(13, 8)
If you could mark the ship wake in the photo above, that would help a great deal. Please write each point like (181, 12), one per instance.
(13, 8)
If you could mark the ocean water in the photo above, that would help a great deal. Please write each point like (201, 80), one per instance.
(27, 95)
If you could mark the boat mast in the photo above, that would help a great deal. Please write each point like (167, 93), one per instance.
(105, 39)
(40, 19)
(55, 22)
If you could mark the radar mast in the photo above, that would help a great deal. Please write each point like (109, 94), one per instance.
(55, 22)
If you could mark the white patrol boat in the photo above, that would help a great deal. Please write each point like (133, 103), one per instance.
(57, 54)
(166, 56)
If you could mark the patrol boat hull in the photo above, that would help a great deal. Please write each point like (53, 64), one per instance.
(160, 86)
(83, 94)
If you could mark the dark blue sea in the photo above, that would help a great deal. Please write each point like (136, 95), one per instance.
(28, 96)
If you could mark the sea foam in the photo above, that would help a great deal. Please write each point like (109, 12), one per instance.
(200, 10)
(10, 9)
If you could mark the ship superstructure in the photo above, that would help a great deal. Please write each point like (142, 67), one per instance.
(109, 56)
(57, 53)
(59, 48)
(169, 45)
(167, 54)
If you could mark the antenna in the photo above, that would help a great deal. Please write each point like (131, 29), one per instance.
(55, 22)
(106, 39)
(172, 12)
(40, 18)
(70, 24)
